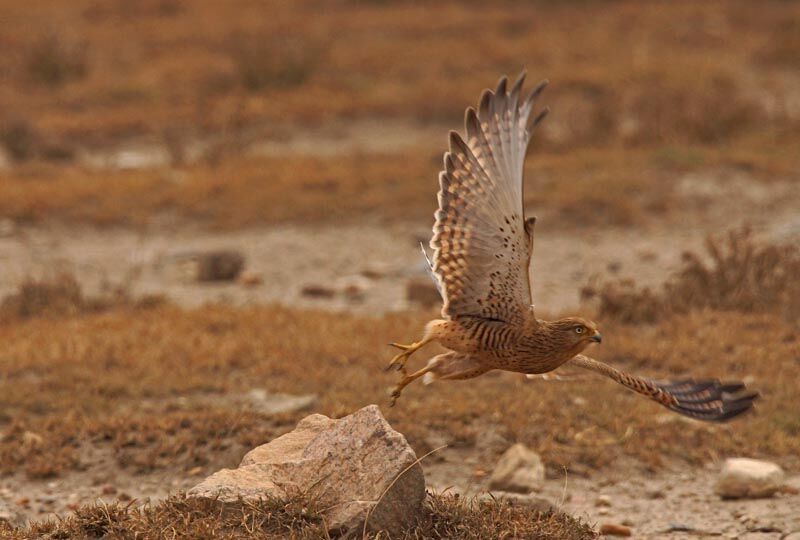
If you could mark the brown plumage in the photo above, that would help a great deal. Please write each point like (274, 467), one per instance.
(482, 244)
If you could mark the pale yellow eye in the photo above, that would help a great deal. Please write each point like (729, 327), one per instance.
(579, 329)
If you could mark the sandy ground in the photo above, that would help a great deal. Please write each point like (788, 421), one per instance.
(376, 262)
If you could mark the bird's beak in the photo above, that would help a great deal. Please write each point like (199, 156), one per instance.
(597, 337)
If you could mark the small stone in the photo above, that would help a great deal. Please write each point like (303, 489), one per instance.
(195, 471)
(108, 489)
(654, 494)
(615, 529)
(124, 497)
(519, 470)
(23, 501)
(603, 511)
(222, 265)
(748, 478)
(603, 500)
(31, 439)
(277, 403)
(317, 291)
(250, 279)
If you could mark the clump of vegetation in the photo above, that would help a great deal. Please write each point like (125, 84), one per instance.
(269, 62)
(448, 516)
(62, 296)
(735, 273)
(53, 61)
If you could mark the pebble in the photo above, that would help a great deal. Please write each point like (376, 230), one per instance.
(748, 478)
(615, 529)
(108, 489)
(603, 500)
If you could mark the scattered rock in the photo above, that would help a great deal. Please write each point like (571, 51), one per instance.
(317, 291)
(751, 478)
(250, 279)
(654, 493)
(422, 291)
(31, 440)
(276, 403)
(351, 469)
(603, 500)
(219, 265)
(222, 265)
(519, 470)
(615, 529)
(108, 489)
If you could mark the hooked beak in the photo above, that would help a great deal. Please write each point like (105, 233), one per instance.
(597, 337)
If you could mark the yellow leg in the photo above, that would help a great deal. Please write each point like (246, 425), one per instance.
(399, 361)
(408, 379)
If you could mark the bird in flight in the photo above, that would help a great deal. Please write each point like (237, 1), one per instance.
(482, 245)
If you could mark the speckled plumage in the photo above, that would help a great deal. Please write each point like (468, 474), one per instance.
(482, 245)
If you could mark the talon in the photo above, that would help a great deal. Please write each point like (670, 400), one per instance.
(393, 397)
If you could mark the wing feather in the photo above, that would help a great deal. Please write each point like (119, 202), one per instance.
(481, 241)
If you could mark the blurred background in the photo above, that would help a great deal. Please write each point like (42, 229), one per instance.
(203, 203)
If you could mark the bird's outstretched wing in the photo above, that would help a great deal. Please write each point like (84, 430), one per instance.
(702, 399)
(482, 243)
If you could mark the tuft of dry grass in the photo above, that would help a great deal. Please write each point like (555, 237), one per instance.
(447, 516)
(54, 60)
(736, 274)
(61, 296)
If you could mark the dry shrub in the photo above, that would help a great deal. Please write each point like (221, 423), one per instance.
(447, 516)
(62, 296)
(272, 62)
(54, 60)
(735, 274)
(706, 111)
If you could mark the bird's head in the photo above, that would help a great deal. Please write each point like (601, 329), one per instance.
(574, 334)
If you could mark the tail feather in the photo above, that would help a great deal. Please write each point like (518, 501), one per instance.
(703, 399)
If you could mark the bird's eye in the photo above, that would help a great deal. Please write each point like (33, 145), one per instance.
(579, 329)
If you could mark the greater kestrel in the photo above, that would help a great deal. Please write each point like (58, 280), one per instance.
(482, 245)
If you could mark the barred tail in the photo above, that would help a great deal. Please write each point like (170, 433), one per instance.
(703, 399)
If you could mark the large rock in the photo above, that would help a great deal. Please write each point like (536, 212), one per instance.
(350, 469)
(519, 470)
(743, 477)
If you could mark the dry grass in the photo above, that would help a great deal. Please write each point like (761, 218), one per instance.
(736, 274)
(681, 70)
(447, 517)
(681, 86)
(133, 366)
(587, 188)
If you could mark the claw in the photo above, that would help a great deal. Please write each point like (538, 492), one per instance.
(393, 396)
(399, 361)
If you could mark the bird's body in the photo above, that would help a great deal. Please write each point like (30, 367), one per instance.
(483, 245)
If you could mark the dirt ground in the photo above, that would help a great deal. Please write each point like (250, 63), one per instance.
(311, 154)
(379, 260)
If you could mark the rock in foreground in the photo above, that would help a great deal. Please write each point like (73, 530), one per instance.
(341, 467)
(743, 477)
(519, 470)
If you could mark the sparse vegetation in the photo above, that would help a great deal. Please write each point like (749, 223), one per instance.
(53, 60)
(448, 517)
(735, 274)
